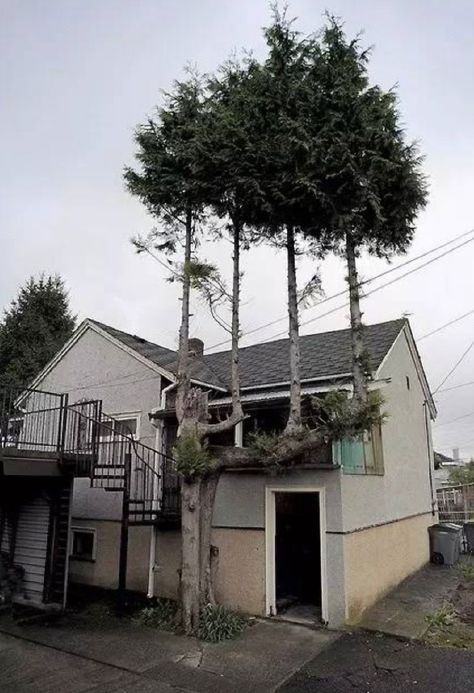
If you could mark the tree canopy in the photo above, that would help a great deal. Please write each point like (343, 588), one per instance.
(34, 327)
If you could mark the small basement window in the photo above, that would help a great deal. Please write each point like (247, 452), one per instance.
(83, 545)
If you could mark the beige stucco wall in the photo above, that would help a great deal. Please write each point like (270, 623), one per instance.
(379, 558)
(239, 577)
(103, 572)
(404, 489)
(167, 563)
(240, 573)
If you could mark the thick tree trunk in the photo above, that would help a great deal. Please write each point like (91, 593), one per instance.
(359, 353)
(190, 525)
(294, 419)
(208, 494)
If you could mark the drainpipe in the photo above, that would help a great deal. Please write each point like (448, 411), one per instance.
(154, 530)
(429, 444)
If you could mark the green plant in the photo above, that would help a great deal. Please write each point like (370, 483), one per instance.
(192, 457)
(442, 617)
(468, 572)
(217, 623)
(162, 615)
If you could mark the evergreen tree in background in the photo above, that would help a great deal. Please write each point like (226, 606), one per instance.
(34, 327)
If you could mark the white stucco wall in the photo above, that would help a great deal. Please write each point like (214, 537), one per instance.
(95, 368)
(404, 489)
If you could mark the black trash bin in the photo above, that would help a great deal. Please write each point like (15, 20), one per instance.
(445, 543)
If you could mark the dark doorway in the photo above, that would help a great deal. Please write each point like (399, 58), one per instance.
(298, 552)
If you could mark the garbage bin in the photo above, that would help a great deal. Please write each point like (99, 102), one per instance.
(445, 543)
(469, 534)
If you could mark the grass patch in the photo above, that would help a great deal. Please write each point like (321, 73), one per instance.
(468, 572)
(218, 623)
(161, 615)
(442, 618)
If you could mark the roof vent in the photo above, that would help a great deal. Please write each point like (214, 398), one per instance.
(196, 347)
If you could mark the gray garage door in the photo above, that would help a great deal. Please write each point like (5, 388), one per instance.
(31, 546)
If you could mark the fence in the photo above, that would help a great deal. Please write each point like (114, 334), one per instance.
(456, 503)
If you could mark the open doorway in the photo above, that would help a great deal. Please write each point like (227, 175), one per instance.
(298, 555)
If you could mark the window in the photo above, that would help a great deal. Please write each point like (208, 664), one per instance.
(83, 545)
(125, 425)
(363, 455)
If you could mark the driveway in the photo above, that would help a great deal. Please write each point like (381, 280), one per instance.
(379, 664)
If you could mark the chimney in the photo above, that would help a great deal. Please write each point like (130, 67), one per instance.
(456, 454)
(196, 347)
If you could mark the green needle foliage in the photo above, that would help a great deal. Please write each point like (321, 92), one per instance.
(34, 327)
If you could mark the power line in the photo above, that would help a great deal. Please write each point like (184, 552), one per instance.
(447, 324)
(455, 387)
(458, 418)
(378, 288)
(362, 283)
(458, 363)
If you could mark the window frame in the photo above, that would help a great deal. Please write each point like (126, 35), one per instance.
(126, 416)
(84, 530)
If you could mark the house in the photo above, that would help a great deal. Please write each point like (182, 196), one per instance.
(444, 466)
(327, 538)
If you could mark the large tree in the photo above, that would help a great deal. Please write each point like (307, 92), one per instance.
(296, 147)
(173, 184)
(366, 174)
(34, 327)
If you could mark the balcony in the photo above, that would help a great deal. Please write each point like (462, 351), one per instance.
(41, 434)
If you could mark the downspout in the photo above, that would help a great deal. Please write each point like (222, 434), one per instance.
(154, 530)
(429, 446)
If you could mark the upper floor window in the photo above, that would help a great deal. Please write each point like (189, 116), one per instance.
(363, 455)
(121, 424)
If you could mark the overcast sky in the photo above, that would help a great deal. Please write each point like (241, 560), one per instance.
(78, 75)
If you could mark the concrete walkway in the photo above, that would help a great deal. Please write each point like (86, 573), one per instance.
(263, 658)
(403, 611)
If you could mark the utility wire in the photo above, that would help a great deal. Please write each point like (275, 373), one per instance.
(378, 288)
(458, 418)
(362, 283)
(458, 363)
(447, 324)
(455, 387)
(120, 381)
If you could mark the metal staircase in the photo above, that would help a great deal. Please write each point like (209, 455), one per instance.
(120, 463)
(89, 443)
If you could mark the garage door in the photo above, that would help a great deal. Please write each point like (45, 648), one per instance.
(31, 546)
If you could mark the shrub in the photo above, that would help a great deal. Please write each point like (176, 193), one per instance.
(217, 623)
(161, 615)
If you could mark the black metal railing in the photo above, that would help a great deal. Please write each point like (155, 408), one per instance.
(125, 464)
(31, 419)
(93, 443)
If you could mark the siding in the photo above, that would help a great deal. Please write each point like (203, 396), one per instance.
(31, 546)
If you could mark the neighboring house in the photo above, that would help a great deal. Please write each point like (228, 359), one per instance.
(444, 465)
(327, 538)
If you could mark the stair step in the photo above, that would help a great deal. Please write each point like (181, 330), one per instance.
(109, 466)
(118, 477)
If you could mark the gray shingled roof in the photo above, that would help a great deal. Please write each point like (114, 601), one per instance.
(323, 355)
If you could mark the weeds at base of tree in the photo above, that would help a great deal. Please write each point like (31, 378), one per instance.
(218, 623)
